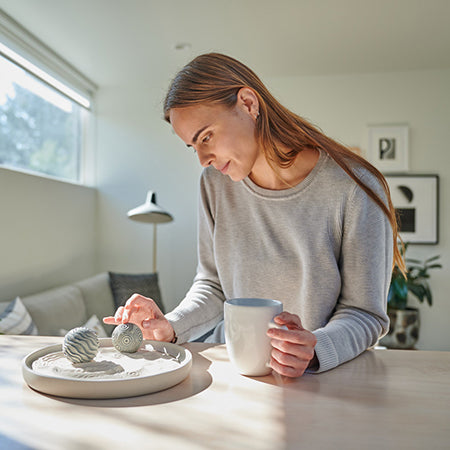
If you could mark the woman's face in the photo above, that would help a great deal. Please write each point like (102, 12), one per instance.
(222, 137)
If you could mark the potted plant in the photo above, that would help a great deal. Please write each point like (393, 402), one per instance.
(405, 320)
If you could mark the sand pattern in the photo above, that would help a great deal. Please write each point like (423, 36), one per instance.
(109, 364)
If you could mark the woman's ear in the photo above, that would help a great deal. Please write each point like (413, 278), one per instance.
(248, 99)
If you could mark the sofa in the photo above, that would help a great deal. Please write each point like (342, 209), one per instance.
(83, 303)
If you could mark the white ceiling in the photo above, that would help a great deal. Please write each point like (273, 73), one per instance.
(119, 41)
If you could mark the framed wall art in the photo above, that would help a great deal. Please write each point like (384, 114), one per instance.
(388, 148)
(416, 200)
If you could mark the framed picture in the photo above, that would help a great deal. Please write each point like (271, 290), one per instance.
(388, 148)
(416, 200)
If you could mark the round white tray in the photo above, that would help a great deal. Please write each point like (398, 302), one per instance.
(97, 389)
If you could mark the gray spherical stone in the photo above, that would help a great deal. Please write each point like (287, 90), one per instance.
(80, 345)
(127, 337)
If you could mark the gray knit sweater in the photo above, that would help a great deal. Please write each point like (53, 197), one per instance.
(323, 248)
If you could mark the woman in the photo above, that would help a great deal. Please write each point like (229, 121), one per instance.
(286, 213)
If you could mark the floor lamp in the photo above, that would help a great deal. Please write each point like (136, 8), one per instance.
(150, 212)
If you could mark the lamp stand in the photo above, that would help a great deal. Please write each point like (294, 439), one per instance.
(154, 248)
(150, 212)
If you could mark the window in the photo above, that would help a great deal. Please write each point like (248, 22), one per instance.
(44, 107)
(40, 129)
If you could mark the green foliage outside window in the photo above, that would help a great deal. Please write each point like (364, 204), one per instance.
(37, 135)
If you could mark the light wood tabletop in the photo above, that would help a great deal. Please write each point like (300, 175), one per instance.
(384, 399)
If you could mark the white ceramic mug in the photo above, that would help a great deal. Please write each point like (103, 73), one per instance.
(246, 323)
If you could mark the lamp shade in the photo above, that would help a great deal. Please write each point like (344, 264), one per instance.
(150, 212)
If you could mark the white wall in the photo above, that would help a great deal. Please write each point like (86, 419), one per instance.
(137, 152)
(47, 233)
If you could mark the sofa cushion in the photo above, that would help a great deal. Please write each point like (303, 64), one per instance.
(57, 308)
(124, 285)
(94, 324)
(98, 298)
(15, 319)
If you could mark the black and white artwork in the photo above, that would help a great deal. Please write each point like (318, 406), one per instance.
(416, 200)
(388, 148)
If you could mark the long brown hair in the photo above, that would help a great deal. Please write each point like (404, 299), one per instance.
(216, 78)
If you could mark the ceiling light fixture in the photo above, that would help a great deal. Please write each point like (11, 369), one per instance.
(182, 46)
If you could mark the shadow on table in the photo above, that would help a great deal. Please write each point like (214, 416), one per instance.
(332, 401)
(353, 372)
(198, 380)
(12, 444)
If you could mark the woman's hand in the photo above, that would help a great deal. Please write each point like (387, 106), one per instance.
(144, 312)
(293, 349)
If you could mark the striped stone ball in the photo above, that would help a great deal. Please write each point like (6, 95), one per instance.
(80, 345)
(127, 337)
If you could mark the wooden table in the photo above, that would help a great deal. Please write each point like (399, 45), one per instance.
(384, 399)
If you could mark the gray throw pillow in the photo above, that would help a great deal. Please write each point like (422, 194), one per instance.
(124, 285)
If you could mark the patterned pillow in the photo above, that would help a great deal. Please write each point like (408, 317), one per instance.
(124, 285)
(15, 319)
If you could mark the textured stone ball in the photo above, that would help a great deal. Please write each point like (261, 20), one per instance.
(80, 345)
(127, 337)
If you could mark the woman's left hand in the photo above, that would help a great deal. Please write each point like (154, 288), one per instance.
(293, 349)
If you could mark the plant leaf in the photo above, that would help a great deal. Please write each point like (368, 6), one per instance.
(416, 281)
(418, 291)
(411, 260)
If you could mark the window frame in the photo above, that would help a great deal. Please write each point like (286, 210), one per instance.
(23, 43)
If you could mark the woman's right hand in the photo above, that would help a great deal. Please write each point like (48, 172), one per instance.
(143, 312)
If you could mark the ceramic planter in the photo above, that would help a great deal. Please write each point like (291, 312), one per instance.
(403, 329)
